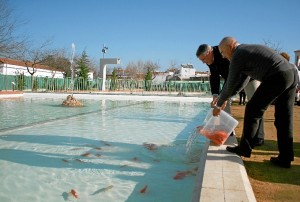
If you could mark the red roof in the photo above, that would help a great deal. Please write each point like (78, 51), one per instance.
(22, 64)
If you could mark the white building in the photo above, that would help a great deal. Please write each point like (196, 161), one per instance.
(16, 67)
(161, 77)
(187, 71)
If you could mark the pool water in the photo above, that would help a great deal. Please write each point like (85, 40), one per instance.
(47, 150)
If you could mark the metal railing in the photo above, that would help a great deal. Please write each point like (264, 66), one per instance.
(44, 84)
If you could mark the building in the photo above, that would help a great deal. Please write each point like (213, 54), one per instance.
(297, 58)
(17, 67)
(187, 72)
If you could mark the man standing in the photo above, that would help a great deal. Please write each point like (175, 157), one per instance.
(219, 66)
(278, 83)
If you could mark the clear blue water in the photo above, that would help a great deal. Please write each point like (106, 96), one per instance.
(46, 150)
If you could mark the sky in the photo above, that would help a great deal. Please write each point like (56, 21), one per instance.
(162, 31)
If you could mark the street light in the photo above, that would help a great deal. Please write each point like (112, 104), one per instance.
(104, 49)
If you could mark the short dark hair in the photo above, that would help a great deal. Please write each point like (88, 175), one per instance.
(203, 48)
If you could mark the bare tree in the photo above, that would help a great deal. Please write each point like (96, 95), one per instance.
(153, 66)
(59, 60)
(132, 70)
(173, 66)
(137, 70)
(34, 57)
(274, 45)
(10, 44)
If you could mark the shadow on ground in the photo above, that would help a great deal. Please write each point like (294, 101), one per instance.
(259, 167)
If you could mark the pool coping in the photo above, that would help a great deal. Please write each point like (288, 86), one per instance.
(224, 177)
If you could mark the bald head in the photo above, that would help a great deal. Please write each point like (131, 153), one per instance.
(228, 40)
(227, 47)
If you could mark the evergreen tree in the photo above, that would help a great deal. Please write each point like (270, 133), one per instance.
(82, 70)
(148, 79)
(113, 84)
(83, 66)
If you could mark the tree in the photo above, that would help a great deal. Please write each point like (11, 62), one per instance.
(114, 77)
(173, 66)
(59, 61)
(274, 45)
(82, 70)
(148, 79)
(83, 65)
(10, 44)
(139, 69)
(32, 57)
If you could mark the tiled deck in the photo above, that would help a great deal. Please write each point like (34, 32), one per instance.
(225, 178)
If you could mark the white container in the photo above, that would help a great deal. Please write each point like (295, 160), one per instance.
(218, 128)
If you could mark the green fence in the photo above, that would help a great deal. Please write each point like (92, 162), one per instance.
(44, 84)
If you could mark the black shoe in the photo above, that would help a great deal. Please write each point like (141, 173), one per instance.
(277, 162)
(259, 142)
(238, 150)
(232, 134)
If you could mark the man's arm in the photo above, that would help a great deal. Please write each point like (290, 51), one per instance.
(214, 81)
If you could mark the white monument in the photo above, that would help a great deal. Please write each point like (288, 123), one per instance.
(103, 63)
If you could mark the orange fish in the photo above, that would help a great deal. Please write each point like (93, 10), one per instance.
(218, 137)
(74, 193)
(86, 154)
(180, 175)
(143, 190)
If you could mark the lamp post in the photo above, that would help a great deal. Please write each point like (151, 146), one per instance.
(104, 49)
(72, 68)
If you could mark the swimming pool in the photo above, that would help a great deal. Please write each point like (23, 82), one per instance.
(47, 150)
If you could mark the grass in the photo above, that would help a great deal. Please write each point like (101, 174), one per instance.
(271, 183)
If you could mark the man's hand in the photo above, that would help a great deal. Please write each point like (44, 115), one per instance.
(214, 101)
(216, 111)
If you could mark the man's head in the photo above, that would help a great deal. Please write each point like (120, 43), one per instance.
(227, 47)
(285, 55)
(205, 54)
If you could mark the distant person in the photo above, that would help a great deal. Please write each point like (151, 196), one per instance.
(242, 97)
(278, 82)
(219, 67)
(297, 96)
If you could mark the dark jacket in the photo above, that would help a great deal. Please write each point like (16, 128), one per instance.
(220, 67)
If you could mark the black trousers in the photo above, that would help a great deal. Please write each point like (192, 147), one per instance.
(282, 88)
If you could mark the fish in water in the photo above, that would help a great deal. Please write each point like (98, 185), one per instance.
(150, 146)
(179, 175)
(182, 174)
(78, 160)
(65, 160)
(86, 154)
(74, 193)
(103, 190)
(136, 159)
(143, 190)
(105, 143)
